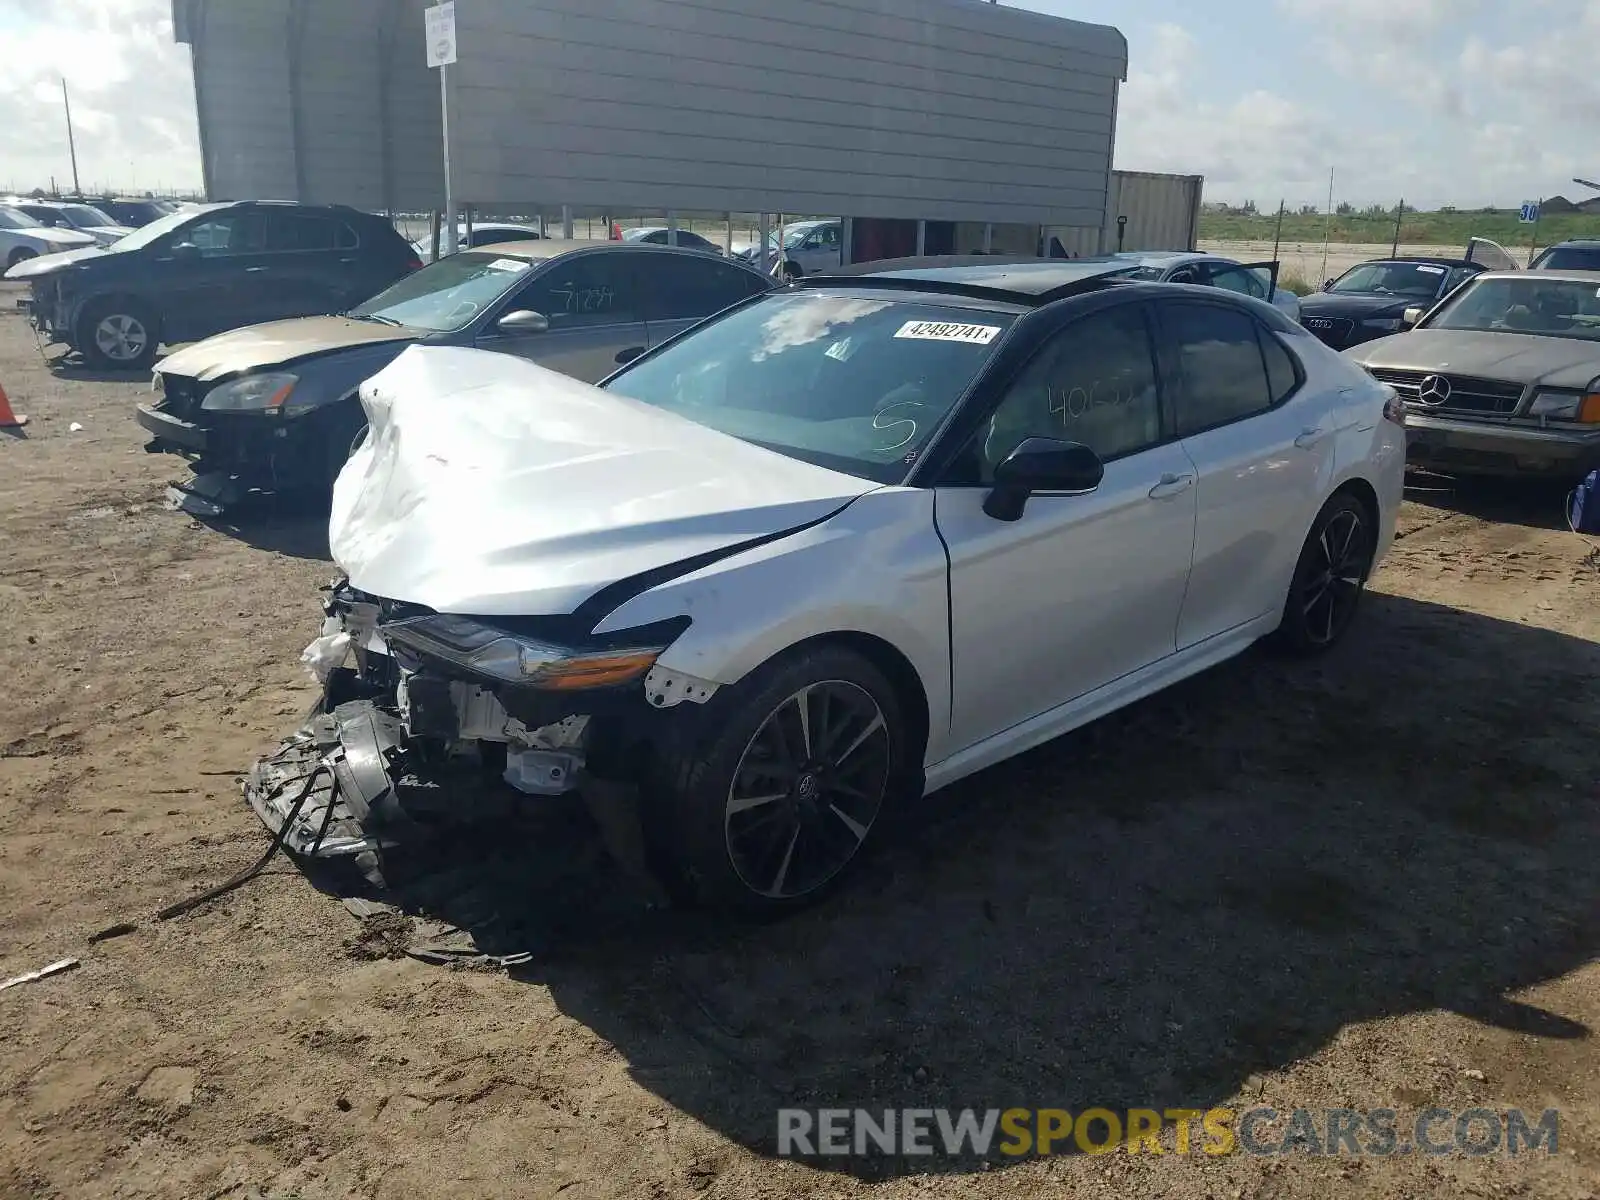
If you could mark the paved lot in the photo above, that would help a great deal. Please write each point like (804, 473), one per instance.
(1368, 882)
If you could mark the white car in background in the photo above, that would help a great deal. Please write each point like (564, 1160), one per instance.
(69, 214)
(836, 547)
(22, 238)
(1256, 280)
(809, 248)
(486, 234)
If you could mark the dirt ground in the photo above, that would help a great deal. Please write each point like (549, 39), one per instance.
(1368, 882)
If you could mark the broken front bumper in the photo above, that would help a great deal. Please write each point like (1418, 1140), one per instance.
(235, 454)
(330, 784)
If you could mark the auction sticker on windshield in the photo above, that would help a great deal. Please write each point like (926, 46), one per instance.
(945, 331)
(1427, 270)
(508, 264)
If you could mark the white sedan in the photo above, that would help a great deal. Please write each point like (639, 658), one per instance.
(22, 238)
(835, 548)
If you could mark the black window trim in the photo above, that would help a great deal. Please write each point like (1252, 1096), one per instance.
(968, 416)
(1172, 361)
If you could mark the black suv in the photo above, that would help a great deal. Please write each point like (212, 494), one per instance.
(201, 271)
(1580, 254)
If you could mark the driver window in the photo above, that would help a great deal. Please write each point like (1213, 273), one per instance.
(231, 233)
(1094, 382)
(584, 291)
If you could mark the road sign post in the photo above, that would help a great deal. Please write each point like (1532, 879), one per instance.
(1530, 216)
(439, 24)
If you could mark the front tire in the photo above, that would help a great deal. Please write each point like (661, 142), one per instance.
(20, 255)
(118, 335)
(779, 796)
(1329, 577)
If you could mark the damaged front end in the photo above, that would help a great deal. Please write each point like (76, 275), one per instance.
(429, 720)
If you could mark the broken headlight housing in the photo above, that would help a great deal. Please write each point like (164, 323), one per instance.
(268, 393)
(530, 661)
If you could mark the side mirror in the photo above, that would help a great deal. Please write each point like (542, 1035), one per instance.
(1327, 284)
(523, 321)
(1042, 465)
(184, 251)
(1412, 315)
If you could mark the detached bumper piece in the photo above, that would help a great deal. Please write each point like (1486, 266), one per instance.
(354, 808)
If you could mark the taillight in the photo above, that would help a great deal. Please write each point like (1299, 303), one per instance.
(1393, 408)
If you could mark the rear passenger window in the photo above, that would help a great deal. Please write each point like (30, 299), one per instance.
(299, 231)
(675, 287)
(1281, 376)
(1224, 372)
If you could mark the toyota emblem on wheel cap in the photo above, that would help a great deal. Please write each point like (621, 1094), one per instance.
(1435, 390)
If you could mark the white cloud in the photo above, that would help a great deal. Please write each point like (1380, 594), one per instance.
(131, 88)
(1434, 113)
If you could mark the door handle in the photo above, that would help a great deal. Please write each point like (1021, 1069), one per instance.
(1171, 485)
(628, 355)
(1309, 438)
(253, 270)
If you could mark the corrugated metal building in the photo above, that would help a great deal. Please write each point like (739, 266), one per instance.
(933, 110)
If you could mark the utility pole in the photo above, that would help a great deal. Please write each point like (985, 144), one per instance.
(1327, 231)
(1394, 248)
(72, 146)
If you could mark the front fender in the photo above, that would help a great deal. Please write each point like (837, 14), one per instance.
(876, 568)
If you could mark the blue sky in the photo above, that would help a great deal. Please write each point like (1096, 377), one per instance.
(1467, 102)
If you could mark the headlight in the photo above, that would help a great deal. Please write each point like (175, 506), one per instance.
(253, 393)
(1387, 324)
(1567, 406)
(530, 661)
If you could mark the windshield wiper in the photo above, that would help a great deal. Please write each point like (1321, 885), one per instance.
(373, 317)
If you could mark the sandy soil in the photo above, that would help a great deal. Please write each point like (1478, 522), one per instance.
(1369, 882)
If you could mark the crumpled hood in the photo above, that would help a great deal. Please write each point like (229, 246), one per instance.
(1513, 357)
(491, 486)
(277, 343)
(45, 264)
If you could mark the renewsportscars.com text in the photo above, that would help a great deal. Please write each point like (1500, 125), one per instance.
(1018, 1132)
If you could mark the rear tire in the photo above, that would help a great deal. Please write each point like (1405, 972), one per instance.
(762, 809)
(118, 335)
(1329, 578)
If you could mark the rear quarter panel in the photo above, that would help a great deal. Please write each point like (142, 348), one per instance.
(1366, 446)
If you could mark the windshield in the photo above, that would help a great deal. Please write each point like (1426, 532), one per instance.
(82, 215)
(10, 218)
(856, 383)
(1569, 258)
(1421, 280)
(1548, 307)
(793, 237)
(158, 228)
(448, 294)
